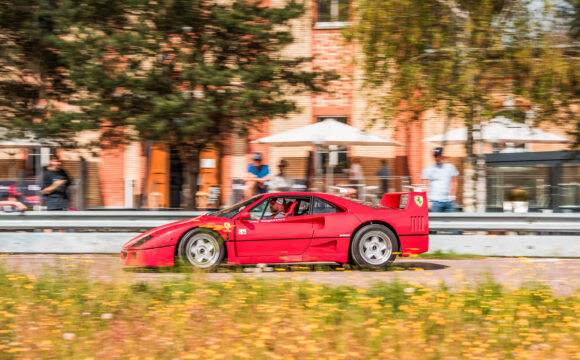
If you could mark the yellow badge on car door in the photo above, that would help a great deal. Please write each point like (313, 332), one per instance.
(418, 200)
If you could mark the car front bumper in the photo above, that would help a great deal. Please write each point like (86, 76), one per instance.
(163, 256)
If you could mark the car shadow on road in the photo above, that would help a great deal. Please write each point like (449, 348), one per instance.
(403, 266)
(416, 266)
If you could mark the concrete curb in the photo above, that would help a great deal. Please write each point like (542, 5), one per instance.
(487, 245)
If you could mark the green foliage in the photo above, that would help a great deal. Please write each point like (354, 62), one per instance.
(185, 71)
(570, 11)
(28, 68)
(456, 54)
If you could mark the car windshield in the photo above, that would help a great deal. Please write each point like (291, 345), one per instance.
(233, 210)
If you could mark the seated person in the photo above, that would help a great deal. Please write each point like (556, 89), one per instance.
(11, 203)
(257, 177)
(282, 181)
(277, 208)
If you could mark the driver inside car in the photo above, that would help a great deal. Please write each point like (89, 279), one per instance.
(277, 208)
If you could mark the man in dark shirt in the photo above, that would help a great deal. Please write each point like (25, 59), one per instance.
(383, 174)
(55, 182)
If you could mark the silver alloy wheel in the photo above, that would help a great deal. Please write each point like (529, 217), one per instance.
(375, 248)
(203, 251)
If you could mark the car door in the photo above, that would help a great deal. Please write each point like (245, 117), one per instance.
(332, 228)
(289, 235)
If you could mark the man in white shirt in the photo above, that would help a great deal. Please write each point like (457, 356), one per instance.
(356, 176)
(442, 179)
(282, 181)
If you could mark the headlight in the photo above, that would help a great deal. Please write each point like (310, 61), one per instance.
(142, 241)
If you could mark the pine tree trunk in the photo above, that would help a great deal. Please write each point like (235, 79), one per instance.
(190, 157)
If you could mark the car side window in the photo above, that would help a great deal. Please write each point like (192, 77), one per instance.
(324, 207)
(257, 211)
(303, 208)
(268, 212)
(293, 206)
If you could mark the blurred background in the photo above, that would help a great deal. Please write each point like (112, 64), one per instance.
(161, 105)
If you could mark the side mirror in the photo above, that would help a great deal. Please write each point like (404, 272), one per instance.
(244, 215)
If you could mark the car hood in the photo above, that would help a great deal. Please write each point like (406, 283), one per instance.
(169, 234)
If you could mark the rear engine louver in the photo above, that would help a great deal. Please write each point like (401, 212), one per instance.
(418, 224)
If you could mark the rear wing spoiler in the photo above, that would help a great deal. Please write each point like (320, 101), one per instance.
(404, 200)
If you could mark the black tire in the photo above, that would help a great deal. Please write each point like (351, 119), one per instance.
(374, 246)
(202, 249)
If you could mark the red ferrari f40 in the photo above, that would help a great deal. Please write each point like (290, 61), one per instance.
(292, 227)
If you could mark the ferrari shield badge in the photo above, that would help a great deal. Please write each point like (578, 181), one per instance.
(418, 200)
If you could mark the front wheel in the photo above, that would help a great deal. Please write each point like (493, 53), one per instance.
(202, 248)
(374, 246)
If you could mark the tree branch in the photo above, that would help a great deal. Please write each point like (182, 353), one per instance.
(507, 10)
(455, 9)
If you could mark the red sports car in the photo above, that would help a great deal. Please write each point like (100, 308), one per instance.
(294, 227)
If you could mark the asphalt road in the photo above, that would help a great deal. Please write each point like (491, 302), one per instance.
(563, 275)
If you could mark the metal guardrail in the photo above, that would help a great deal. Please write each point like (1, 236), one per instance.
(104, 221)
(111, 221)
(105, 232)
(533, 222)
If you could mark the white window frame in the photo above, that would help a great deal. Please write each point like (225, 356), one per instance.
(334, 14)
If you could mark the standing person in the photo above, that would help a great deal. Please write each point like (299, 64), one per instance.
(442, 179)
(383, 174)
(55, 182)
(282, 181)
(356, 175)
(258, 175)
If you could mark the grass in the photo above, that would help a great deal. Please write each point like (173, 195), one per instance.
(68, 316)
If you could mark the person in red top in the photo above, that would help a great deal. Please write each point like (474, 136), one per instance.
(11, 202)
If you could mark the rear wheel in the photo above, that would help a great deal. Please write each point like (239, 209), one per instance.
(374, 246)
(202, 248)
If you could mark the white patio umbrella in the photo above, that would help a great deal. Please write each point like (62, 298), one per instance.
(500, 130)
(27, 141)
(324, 134)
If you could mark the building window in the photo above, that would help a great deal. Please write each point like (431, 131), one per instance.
(535, 180)
(570, 186)
(36, 157)
(342, 152)
(332, 14)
